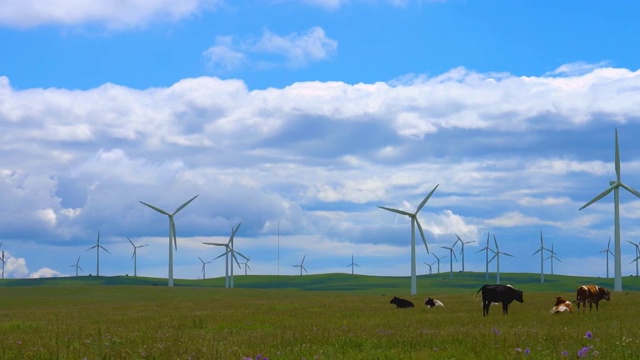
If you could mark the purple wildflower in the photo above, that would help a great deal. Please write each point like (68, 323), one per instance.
(564, 353)
(583, 352)
(496, 331)
(588, 335)
(527, 351)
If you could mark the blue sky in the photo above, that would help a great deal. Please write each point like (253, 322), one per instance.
(310, 114)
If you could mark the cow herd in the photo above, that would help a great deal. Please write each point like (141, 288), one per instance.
(506, 294)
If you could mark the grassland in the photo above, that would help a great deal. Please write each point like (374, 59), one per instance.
(332, 316)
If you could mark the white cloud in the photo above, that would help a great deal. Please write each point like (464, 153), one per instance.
(112, 14)
(45, 273)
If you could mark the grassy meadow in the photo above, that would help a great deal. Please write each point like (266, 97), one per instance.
(333, 316)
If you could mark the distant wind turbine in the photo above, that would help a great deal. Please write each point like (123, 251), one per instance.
(97, 246)
(615, 185)
(229, 253)
(414, 221)
(637, 245)
(173, 241)
(246, 266)
(77, 266)
(301, 266)
(462, 243)
(353, 263)
(438, 260)
(429, 265)
(497, 257)
(541, 251)
(135, 256)
(486, 249)
(607, 252)
(204, 265)
(3, 262)
(552, 257)
(452, 254)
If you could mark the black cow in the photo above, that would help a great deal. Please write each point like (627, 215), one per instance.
(504, 294)
(401, 303)
(433, 303)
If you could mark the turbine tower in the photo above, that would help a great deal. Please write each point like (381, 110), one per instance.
(230, 252)
(438, 260)
(3, 262)
(552, 256)
(452, 254)
(173, 241)
(486, 249)
(97, 246)
(301, 266)
(637, 245)
(414, 222)
(204, 264)
(497, 257)
(462, 243)
(607, 252)
(135, 256)
(615, 185)
(77, 266)
(541, 251)
(352, 264)
(429, 265)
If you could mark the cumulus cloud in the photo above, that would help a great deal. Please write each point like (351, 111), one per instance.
(112, 14)
(295, 50)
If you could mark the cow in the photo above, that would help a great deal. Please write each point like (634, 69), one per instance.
(504, 294)
(433, 303)
(591, 294)
(562, 305)
(401, 303)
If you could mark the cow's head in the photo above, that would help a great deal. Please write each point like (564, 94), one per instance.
(605, 293)
(518, 296)
(430, 302)
(560, 300)
(395, 299)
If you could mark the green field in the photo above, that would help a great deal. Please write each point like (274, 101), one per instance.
(333, 316)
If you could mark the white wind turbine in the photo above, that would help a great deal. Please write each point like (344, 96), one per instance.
(497, 257)
(229, 252)
(607, 252)
(173, 241)
(246, 266)
(301, 266)
(204, 264)
(135, 256)
(637, 245)
(615, 185)
(552, 256)
(77, 266)
(438, 260)
(414, 222)
(541, 251)
(486, 249)
(3, 262)
(452, 254)
(353, 263)
(429, 265)
(462, 243)
(97, 246)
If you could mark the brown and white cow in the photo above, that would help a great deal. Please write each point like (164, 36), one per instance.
(562, 305)
(591, 294)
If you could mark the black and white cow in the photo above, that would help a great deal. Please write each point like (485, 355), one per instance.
(433, 303)
(401, 303)
(504, 294)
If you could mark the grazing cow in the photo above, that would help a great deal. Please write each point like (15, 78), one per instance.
(591, 294)
(433, 303)
(401, 303)
(562, 305)
(504, 294)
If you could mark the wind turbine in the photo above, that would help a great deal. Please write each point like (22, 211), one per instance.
(172, 232)
(228, 277)
(414, 221)
(438, 260)
(301, 266)
(246, 266)
(541, 251)
(552, 256)
(462, 243)
(135, 256)
(97, 246)
(204, 264)
(77, 266)
(352, 264)
(3, 262)
(452, 254)
(497, 256)
(486, 249)
(429, 265)
(607, 252)
(637, 245)
(615, 185)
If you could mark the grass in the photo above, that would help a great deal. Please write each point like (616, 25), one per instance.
(68, 319)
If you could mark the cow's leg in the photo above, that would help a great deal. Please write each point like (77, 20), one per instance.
(597, 302)
(485, 307)
(505, 307)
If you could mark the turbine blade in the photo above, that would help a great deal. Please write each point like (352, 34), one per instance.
(401, 212)
(496, 242)
(93, 247)
(617, 158)
(131, 242)
(155, 208)
(304, 257)
(237, 252)
(537, 251)
(234, 258)
(233, 233)
(504, 253)
(422, 235)
(173, 233)
(184, 205)
(221, 255)
(103, 248)
(602, 194)
(305, 269)
(630, 189)
(426, 199)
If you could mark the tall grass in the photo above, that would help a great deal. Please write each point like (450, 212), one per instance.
(146, 322)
